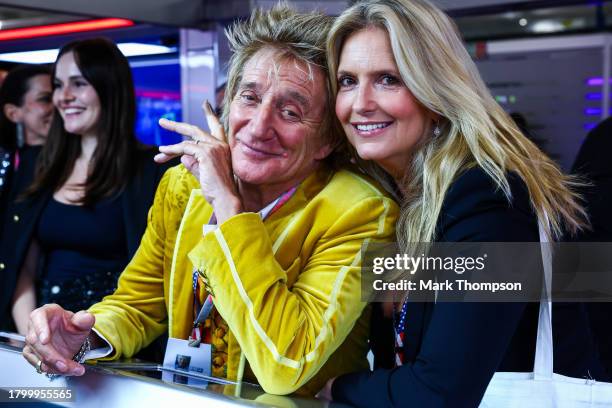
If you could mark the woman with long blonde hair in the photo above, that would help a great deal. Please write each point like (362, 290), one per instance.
(422, 121)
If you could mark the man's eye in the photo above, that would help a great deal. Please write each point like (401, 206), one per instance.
(248, 97)
(290, 114)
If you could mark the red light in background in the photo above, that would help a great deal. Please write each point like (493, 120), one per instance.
(158, 94)
(63, 28)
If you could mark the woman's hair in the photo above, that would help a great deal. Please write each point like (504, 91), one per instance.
(437, 69)
(299, 36)
(107, 70)
(16, 84)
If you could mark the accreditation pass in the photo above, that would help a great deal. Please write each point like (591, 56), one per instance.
(29, 394)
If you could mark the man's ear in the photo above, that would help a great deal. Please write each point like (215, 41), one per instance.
(324, 151)
(12, 112)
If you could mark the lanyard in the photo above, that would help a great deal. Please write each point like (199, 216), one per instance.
(204, 311)
(398, 328)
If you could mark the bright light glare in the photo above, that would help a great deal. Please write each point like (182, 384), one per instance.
(30, 57)
(49, 56)
(139, 49)
(547, 26)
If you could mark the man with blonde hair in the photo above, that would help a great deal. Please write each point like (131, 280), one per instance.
(262, 224)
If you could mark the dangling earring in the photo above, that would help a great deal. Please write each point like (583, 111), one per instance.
(20, 135)
(437, 132)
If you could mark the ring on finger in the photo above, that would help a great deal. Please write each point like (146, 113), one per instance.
(39, 367)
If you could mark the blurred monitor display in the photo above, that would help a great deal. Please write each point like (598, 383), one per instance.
(158, 94)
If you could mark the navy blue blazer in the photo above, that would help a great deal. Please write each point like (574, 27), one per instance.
(453, 349)
(593, 163)
(21, 219)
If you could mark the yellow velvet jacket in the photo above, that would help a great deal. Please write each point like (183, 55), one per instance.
(288, 287)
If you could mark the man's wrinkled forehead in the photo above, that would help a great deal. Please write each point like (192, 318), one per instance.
(272, 67)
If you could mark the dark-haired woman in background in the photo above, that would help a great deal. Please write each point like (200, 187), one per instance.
(25, 116)
(79, 222)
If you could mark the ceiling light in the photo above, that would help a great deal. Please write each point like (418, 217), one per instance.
(30, 57)
(64, 28)
(597, 81)
(49, 56)
(547, 26)
(140, 49)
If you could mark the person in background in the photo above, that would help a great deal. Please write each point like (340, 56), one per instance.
(267, 222)
(80, 219)
(25, 117)
(411, 101)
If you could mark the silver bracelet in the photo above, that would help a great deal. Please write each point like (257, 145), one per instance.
(79, 357)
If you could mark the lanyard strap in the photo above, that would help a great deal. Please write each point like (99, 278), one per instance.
(399, 325)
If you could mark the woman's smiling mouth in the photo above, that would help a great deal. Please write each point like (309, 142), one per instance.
(370, 128)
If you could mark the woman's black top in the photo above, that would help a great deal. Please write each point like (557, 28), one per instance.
(21, 221)
(85, 251)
